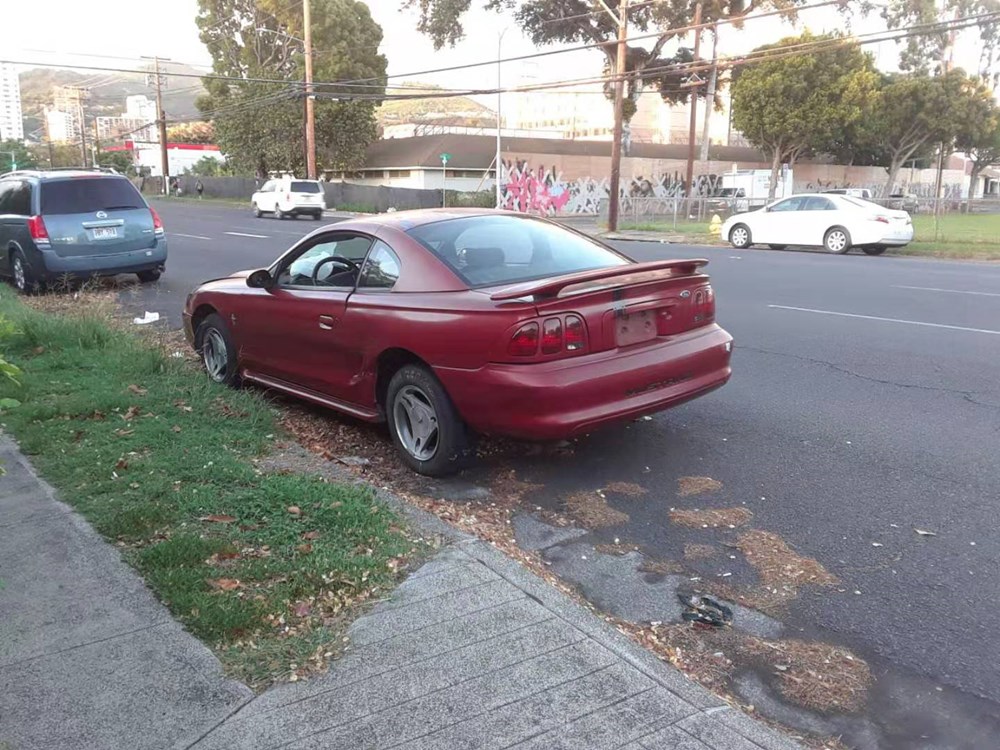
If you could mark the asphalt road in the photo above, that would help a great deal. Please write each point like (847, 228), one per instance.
(865, 403)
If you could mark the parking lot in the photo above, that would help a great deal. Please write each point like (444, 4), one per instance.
(865, 404)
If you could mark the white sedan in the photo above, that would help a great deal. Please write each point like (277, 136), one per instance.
(834, 222)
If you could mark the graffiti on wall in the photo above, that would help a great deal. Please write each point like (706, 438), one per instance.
(543, 190)
(949, 190)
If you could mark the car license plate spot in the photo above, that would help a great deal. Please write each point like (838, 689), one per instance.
(634, 328)
(105, 233)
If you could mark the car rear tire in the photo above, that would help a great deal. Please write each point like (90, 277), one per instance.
(424, 425)
(837, 240)
(740, 237)
(256, 210)
(280, 214)
(877, 250)
(777, 247)
(21, 277)
(148, 277)
(214, 344)
(317, 216)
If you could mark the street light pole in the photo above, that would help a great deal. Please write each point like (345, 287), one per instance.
(693, 128)
(310, 102)
(498, 164)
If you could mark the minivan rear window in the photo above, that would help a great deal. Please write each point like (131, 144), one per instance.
(87, 195)
(306, 187)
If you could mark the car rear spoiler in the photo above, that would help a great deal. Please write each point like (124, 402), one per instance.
(552, 287)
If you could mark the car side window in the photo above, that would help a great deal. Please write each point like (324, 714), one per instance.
(315, 267)
(818, 204)
(268, 187)
(19, 200)
(381, 269)
(6, 189)
(789, 204)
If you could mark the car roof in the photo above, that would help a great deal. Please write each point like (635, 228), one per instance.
(60, 174)
(406, 220)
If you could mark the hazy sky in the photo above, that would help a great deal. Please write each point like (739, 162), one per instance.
(73, 33)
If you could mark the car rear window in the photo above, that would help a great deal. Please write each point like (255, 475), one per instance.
(88, 195)
(306, 187)
(491, 250)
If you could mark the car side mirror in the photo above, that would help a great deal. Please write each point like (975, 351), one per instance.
(260, 279)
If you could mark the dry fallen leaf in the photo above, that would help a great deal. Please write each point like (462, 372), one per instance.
(295, 510)
(923, 532)
(310, 535)
(182, 405)
(38, 350)
(302, 609)
(121, 464)
(224, 584)
(138, 390)
(123, 433)
(305, 549)
(131, 413)
(176, 428)
(218, 519)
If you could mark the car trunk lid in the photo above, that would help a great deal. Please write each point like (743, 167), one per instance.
(627, 305)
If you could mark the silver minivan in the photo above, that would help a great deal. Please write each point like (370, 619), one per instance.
(72, 224)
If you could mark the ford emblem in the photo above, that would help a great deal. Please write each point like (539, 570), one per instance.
(101, 215)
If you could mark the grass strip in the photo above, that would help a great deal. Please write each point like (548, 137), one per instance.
(265, 568)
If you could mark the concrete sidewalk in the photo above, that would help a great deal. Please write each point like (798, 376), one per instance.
(471, 651)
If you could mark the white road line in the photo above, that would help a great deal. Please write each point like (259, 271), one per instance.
(950, 291)
(243, 234)
(886, 320)
(189, 236)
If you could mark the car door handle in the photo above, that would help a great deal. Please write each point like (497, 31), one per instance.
(327, 322)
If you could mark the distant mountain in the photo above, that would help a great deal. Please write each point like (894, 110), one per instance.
(109, 89)
(420, 110)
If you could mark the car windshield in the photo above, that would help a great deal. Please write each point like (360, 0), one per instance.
(490, 250)
(301, 186)
(88, 195)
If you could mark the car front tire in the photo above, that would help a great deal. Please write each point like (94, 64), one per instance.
(424, 425)
(837, 240)
(214, 344)
(740, 236)
(256, 210)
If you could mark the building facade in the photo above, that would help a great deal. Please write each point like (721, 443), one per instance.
(11, 124)
(61, 127)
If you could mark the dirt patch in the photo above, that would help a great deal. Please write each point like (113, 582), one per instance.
(697, 485)
(629, 489)
(591, 510)
(698, 551)
(817, 676)
(660, 567)
(778, 565)
(712, 518)
(618, 549)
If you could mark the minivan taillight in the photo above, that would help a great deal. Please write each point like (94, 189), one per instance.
(157, 223)
(36, 226)
(524, 343)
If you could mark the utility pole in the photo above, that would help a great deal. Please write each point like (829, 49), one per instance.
(161, 121)
(83, 126)
(310, 102)
(616, 142)
(97, 142)
(693, 126)
(710, 95)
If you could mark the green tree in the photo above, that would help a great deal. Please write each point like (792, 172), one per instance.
(917, 112)
(191, 132)
(793, 105)
(15, 152)
(117, 160)
(208, 166)
(261, 125)
(588, 22)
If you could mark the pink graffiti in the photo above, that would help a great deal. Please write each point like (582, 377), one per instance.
(532, 191)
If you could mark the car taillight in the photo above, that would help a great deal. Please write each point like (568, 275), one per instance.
(525, 342)
(704, 305)
(882, 219)
(157, 223)
(552, 336)
(36, 226)
(575, 338)
(288, 197)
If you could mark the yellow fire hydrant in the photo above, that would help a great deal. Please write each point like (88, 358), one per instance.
(715, 226)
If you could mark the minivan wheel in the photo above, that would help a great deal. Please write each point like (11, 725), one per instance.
(218, 352)
(148, 277)
(423, 423)
(20, 273)
(256, 210)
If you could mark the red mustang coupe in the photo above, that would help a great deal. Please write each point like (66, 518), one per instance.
(448, 322)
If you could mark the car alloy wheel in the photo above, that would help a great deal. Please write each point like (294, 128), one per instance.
(837, 241)
(20, 280)
(740, 236)
(215, 355)
(416, 423)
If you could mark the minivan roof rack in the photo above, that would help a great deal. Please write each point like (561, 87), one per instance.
(47, 170)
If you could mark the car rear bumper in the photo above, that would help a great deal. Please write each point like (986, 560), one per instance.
(303, 208)
(56, 266)
(556, 400)
(896, 237)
